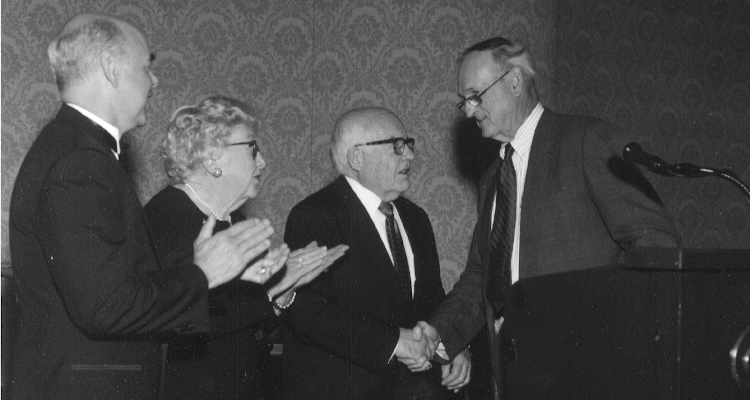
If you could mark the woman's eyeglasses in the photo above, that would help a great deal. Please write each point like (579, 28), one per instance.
(253, 146)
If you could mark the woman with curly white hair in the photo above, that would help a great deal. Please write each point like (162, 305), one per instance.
(212, 155)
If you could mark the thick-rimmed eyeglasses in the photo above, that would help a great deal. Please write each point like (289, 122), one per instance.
(253, 146)
(398, 144)
(476, 99)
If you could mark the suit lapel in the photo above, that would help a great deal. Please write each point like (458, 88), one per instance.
(366, 238)
(487, 193)
(413, 236)
(541, 162)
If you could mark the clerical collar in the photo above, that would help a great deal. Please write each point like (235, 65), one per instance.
(112, 130)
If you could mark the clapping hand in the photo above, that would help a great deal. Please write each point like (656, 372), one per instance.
(304, 265)
(225, 255)
(261, 270)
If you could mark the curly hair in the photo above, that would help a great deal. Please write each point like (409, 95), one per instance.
(199, 132)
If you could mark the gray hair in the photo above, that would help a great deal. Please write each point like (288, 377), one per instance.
(198, 132)
(505, 52)
(75, 52)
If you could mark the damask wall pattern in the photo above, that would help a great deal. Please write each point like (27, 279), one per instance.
(302, 63)
(676, 76)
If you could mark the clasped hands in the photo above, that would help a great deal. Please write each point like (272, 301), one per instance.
(416, 348)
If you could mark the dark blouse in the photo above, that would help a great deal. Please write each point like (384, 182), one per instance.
(224, 364)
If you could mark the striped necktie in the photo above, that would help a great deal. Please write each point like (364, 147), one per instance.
(400, 263)
(501, 237)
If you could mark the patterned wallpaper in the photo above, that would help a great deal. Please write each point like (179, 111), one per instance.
(679, 78)
(676, 75)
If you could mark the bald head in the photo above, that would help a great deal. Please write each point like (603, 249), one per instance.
(103, 64)
(381, 167)
(74, 53)
(360, 125)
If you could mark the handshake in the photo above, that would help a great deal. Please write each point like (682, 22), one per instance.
(417, 348)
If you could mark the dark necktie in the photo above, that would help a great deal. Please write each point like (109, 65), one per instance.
(501, 237)
(397, 248)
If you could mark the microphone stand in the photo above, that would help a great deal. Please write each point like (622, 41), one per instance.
(634, 153)
(693, 171)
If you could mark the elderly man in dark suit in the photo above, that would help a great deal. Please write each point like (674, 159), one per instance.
(558, 198)
(350, 327)
(90, 291)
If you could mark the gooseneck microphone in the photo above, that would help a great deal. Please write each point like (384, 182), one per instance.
(635, 154)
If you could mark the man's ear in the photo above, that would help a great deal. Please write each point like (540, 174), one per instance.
(516, 81)
(108, 63)
(354, 158)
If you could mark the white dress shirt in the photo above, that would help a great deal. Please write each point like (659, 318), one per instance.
(371, 202)
(522, 147)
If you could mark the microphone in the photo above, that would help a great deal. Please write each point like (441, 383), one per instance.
(635, 154)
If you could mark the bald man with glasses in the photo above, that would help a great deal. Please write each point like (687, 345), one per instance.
(350, 331)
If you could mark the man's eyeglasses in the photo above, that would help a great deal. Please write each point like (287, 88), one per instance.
(398, 144)
(476, 99)
(253, 146)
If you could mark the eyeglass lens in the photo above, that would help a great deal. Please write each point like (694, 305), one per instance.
(398, 145)
(252, 144)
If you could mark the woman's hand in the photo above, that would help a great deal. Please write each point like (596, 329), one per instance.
(263, 269)
(225, 255)
(304, 265)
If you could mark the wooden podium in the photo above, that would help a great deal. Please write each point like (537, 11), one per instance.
(669, 324)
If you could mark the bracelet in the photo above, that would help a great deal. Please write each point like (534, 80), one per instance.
(285, 306)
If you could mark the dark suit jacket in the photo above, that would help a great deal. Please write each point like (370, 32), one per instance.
(582, 207)
(89, 288)
(344, 326)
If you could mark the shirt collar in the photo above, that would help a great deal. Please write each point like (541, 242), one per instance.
(522, 141)
(370, 200)
(112, 130)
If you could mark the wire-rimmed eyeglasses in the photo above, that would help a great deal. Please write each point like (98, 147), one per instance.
(476, 99)
(398, 144)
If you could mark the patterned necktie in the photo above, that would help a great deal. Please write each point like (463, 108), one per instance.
(397, 248)
(501, 237)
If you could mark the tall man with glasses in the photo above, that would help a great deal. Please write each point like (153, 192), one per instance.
(558, 198)
(350, 333)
